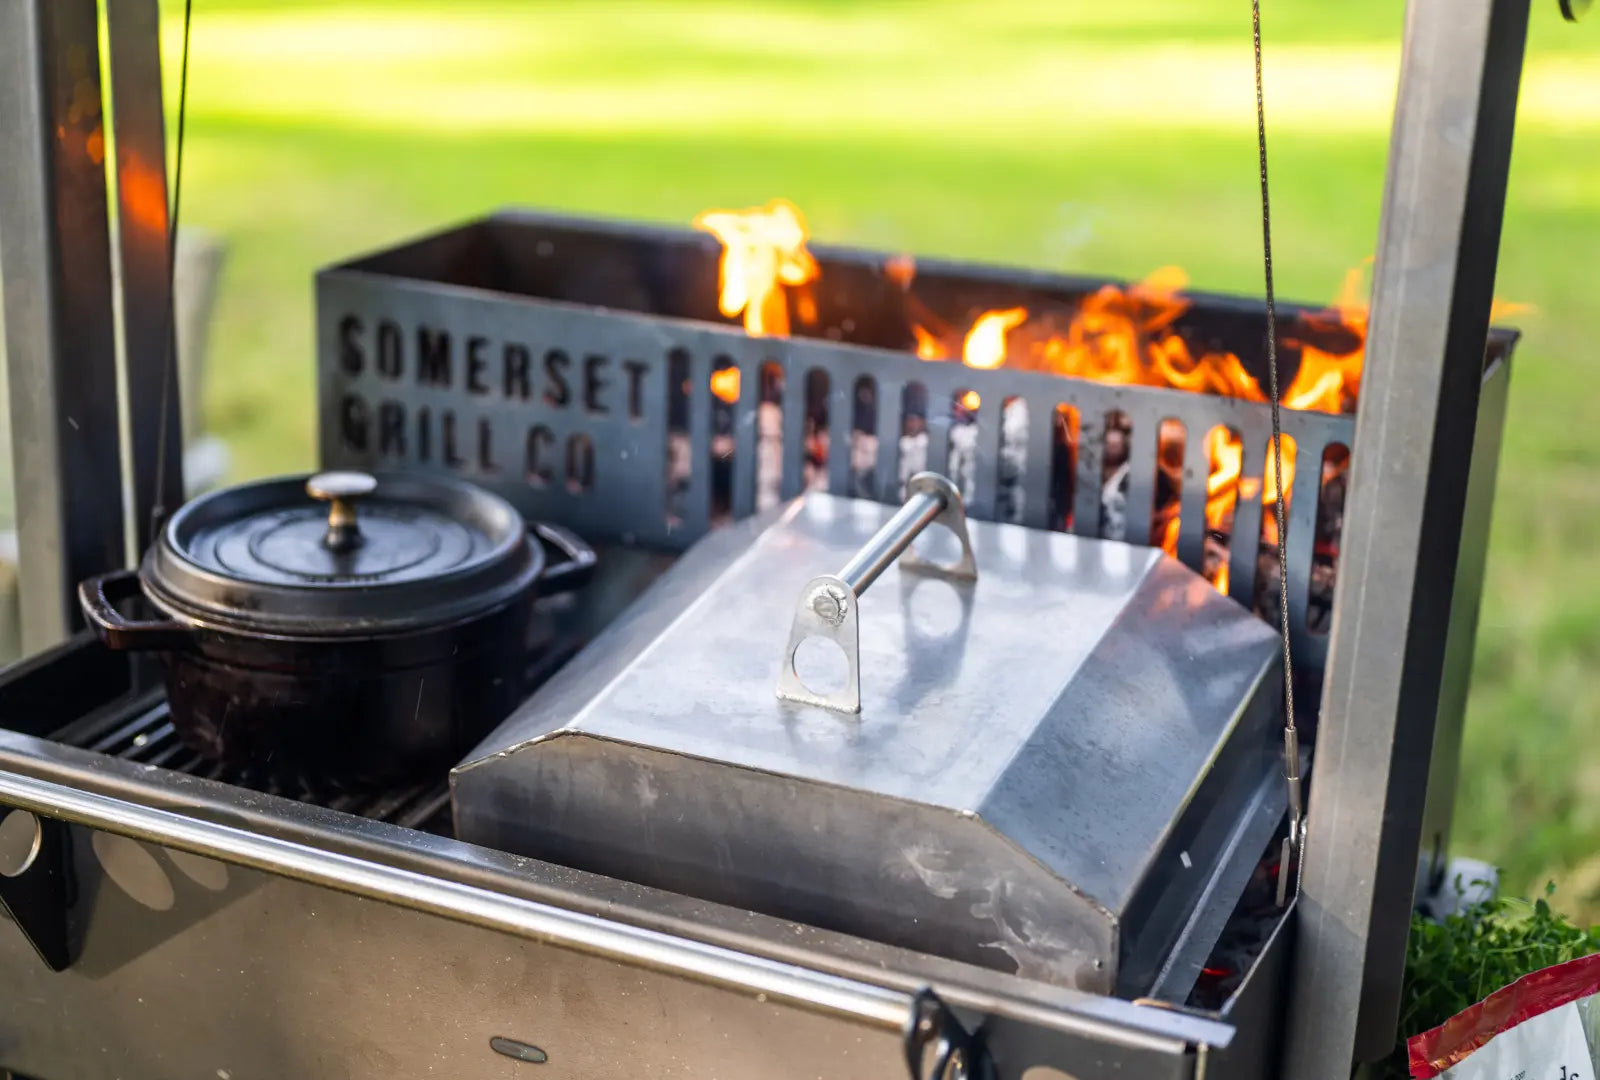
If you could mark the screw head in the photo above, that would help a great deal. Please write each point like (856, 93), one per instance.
(831, 604)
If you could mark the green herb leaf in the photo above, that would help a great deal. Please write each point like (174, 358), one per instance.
(1459, 961)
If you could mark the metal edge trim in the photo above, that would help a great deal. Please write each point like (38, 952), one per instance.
(812, 990)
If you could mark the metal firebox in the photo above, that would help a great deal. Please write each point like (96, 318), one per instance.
(177, 920)
(555, 360)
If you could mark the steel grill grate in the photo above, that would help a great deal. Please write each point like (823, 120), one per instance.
(143, 733)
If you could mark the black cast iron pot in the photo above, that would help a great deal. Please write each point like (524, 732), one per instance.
(334, 646)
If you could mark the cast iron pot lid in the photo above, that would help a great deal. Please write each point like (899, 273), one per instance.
(341, 554)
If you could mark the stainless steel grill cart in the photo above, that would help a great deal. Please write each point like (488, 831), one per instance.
(172, 918)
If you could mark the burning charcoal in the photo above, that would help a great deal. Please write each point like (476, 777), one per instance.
(863, 465)
(721, 478)
(1114, 502)
(1013, 461)
(1064, 471)
(1244, 937)
(1330, 511)
(1266, 594)
(913, 456)
(769, 454)
(816, 458)
(962, 464)
(1114, 477)
(1216, 555)
(1169, 488)
(1319, 608)
(679, 467)
(1118, 430)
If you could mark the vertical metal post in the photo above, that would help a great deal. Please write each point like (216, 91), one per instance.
(1433, 284)
(133, 28)
(55, 273)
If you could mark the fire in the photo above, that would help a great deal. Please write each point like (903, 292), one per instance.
(1269, 489)
(928, 346)
(725, 384)
(763, 250)
(1328, 381)
(1225, 453)
(1120, 335)
(985, 346)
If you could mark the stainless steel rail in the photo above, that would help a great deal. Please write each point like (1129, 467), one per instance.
(831, 995)
(1397, 616)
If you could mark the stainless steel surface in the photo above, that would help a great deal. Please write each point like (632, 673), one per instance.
(315, 972)
(1042, 778)
(260, 964)
(552, 384)
(141, 266)
(827, 605)
(930, 499)
(477, 907)
(1258, 1007)
(1432, 289)
(19, 842)
(1444, 769)
(60, 345)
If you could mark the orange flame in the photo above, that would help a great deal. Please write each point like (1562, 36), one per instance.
(1116, 335)
(725, 384)
(763, 250)
(929, 347)
(985, 346)
(1225, 453)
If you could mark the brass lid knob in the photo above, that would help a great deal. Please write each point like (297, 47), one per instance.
(341, 490)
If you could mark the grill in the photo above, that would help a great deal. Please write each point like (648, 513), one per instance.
(141, 732)
(574, 367)
(570, 365)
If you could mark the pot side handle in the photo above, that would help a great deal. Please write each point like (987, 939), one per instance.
(98, 596)
(576, 567)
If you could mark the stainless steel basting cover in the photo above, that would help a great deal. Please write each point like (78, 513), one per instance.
(1052, 764)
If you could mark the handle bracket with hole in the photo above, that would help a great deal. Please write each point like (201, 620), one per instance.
(827, 607)
(36, 882)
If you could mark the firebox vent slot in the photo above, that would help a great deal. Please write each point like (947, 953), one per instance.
(766, 456)
(1125, 483)
(961, 443)
(1011, 467)
(912, 455)
(726, 386)
(1325, 541)
(1166, 515)
(675, 457)
(864, 439)
(805, 425)
(1063, 436)
(1264, 593)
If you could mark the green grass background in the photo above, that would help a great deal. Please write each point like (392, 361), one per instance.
(1067, 134)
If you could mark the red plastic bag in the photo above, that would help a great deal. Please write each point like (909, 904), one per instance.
(1538, 1027)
